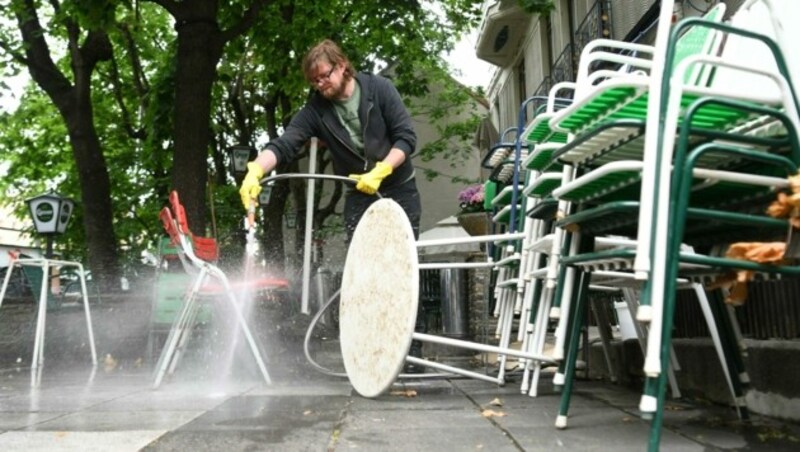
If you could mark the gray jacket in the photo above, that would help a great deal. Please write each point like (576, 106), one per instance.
(385, 124)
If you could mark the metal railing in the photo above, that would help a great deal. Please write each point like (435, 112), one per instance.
(770, 312)
(544, 88)
(595, 25)
(564, 66)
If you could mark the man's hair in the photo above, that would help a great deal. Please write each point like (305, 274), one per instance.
(329, 51)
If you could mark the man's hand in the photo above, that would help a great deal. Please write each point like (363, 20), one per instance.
(251, 185)
(369, 182)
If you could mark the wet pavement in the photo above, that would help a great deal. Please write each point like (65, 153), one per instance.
(200, 408)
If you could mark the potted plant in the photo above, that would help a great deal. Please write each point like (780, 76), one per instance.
(472, 215)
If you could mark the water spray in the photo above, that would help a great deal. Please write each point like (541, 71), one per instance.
(250, 226)
(251, 244)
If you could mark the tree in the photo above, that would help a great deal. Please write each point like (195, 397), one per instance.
(166, 105)
(264, 78)
(201, 41)
(86, 47)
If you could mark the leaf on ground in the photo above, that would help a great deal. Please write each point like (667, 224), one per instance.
(404, 393)
(496, 402)
(492, 413)
(109, 363)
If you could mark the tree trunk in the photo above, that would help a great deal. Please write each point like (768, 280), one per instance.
(74, 104)
(199, 50)
(95, 189)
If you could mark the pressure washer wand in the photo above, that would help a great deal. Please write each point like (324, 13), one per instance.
(251, 245)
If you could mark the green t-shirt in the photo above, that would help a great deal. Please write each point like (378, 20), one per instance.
(347, 111)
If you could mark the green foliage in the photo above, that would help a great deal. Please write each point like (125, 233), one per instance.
(258, 76)
(35, 147)
(38, 159)
(541, 7)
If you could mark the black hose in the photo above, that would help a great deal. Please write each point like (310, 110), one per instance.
(333, 373)
(278, 177)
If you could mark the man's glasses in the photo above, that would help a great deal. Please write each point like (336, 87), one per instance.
(324, 77)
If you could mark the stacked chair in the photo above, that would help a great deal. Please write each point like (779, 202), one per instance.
(680, 165)
(657, 158)
(517, 195)
(607, 124)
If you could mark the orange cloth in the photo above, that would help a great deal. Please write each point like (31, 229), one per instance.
(763, 253)
(736, 281)
(786, 206)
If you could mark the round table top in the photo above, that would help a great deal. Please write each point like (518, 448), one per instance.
(379, 297)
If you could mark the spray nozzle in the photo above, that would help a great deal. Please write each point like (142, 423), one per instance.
(250, 221)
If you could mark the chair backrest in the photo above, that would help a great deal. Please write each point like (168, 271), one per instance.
(169, 225)
(179, 211)
(700, 41)
(34, 275)
(759, 17)
(179, 240)
(204, 248)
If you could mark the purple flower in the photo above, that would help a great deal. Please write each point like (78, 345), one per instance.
(471, 198)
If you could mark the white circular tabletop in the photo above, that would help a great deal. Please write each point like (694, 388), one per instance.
(378, 308)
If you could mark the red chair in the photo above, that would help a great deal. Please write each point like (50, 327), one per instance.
(197, 255)
(205, 248)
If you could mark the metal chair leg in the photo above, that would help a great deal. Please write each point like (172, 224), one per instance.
(570, 361)
(176, 331)
(245, 329)
(89, 328)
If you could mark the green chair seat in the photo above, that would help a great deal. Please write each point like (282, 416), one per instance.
(504, 215)
(544, 209)
(543, 185)
(504, 197)
(542, 157)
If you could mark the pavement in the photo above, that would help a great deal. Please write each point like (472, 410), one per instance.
(204, 406)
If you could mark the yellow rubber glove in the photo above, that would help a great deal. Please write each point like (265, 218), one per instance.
(369, 182)
(251, 186)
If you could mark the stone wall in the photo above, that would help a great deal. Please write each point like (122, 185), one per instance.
(772, 365)
(480, 320)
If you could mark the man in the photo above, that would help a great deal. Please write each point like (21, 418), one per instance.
(365, 125)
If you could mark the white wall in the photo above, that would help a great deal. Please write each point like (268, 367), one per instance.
(12, 238)
(11, 228)
(440, 195)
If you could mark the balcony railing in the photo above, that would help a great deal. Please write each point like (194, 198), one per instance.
(544, 88)
(596, 25)
(563, 69)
